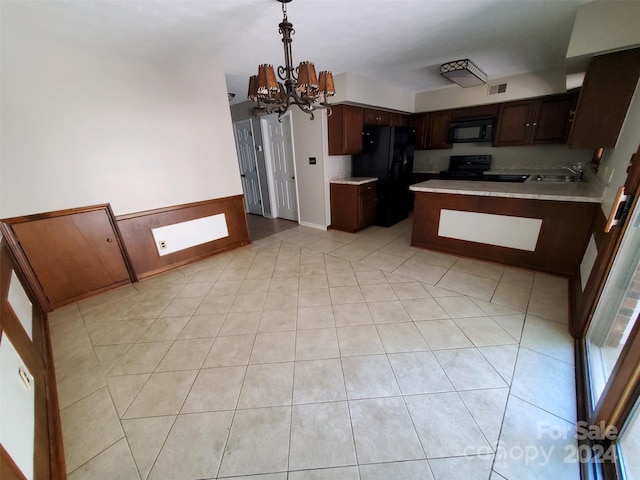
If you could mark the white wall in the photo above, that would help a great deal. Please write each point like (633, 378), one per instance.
(82, 126)
(603, 26)
(535, 84)
(369, 91)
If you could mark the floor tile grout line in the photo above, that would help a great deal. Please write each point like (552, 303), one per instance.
(353, 269)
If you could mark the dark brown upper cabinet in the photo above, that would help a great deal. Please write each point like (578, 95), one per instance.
(439, 130)
(345, 129)
(432, 130)
(604, 99)
(384, 118)
(376, 117)
(536, 121)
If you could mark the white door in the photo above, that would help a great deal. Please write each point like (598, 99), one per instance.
(248, 167)
(277, 138)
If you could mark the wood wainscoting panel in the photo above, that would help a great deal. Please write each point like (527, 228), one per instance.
(561, 242)
(68, 255)
(136, 230)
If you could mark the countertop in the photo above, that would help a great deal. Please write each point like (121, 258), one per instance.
(354, 180)
(591, 190)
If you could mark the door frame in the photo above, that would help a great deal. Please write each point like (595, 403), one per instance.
(622, 390)
(253, 141)
(266, 140)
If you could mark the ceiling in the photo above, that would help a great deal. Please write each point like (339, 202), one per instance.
(402, 42)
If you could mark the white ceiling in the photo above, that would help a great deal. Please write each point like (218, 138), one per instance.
(402, 42)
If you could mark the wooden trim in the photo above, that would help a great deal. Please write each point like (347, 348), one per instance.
(24, 267)
(8, 469)
(37, 355)
(621, 392)
(57, 461)
(136, 233)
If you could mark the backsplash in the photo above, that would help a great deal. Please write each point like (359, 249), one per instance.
(503, 158)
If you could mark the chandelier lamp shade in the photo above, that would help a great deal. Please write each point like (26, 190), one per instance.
(299, 86)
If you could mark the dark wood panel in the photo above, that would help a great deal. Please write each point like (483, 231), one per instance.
(551, 124)
(69, 254)
(345, 129)
(344, 207)
(420, 122)
(439, 130)
(480, 111)
(136, 232)
(8, 469)
(514, 125)
(353, 207)
(561, 243)
(604, 99)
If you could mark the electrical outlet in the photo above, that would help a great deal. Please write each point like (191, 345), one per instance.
(163, 244)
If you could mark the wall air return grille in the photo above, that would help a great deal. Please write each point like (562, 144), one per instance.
(497, 88)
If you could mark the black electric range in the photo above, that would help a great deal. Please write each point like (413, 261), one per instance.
(472, 167)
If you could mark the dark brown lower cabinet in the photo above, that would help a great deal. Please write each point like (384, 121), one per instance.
(353, 207)
(68, 255)
(561, 241)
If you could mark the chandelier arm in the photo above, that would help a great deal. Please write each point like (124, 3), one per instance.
(287, 93)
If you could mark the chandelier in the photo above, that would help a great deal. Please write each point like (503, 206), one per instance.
(299, 86)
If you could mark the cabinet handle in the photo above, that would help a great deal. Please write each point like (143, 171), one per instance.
(526, 125)
(535, 124)
(109, 240)
(619, 209)
(24, 376)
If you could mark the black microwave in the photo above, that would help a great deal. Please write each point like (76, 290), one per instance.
(468, 131)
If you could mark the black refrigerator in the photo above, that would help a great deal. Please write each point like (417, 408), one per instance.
(387, 153)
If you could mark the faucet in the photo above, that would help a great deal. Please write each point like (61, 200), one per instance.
(576, 170)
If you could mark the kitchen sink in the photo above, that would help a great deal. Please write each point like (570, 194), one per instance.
(555, 178)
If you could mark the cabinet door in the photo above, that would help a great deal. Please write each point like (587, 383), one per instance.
(514, 124)
(399, 120)
(604, 99)
(344, 207)
(551, 124)
(376, 117)
(366, 209)
(421, 124)
(345, 130)
(370, 116)
(74, 254)
(439, 130)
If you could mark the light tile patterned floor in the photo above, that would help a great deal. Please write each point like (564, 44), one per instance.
(321, 355)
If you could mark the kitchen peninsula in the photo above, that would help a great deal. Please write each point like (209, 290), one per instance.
(538, 224)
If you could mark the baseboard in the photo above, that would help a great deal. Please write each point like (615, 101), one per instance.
(136, 232)
(313, 225)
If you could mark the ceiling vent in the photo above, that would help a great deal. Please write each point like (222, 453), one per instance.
(464, 73)
(497, 88)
